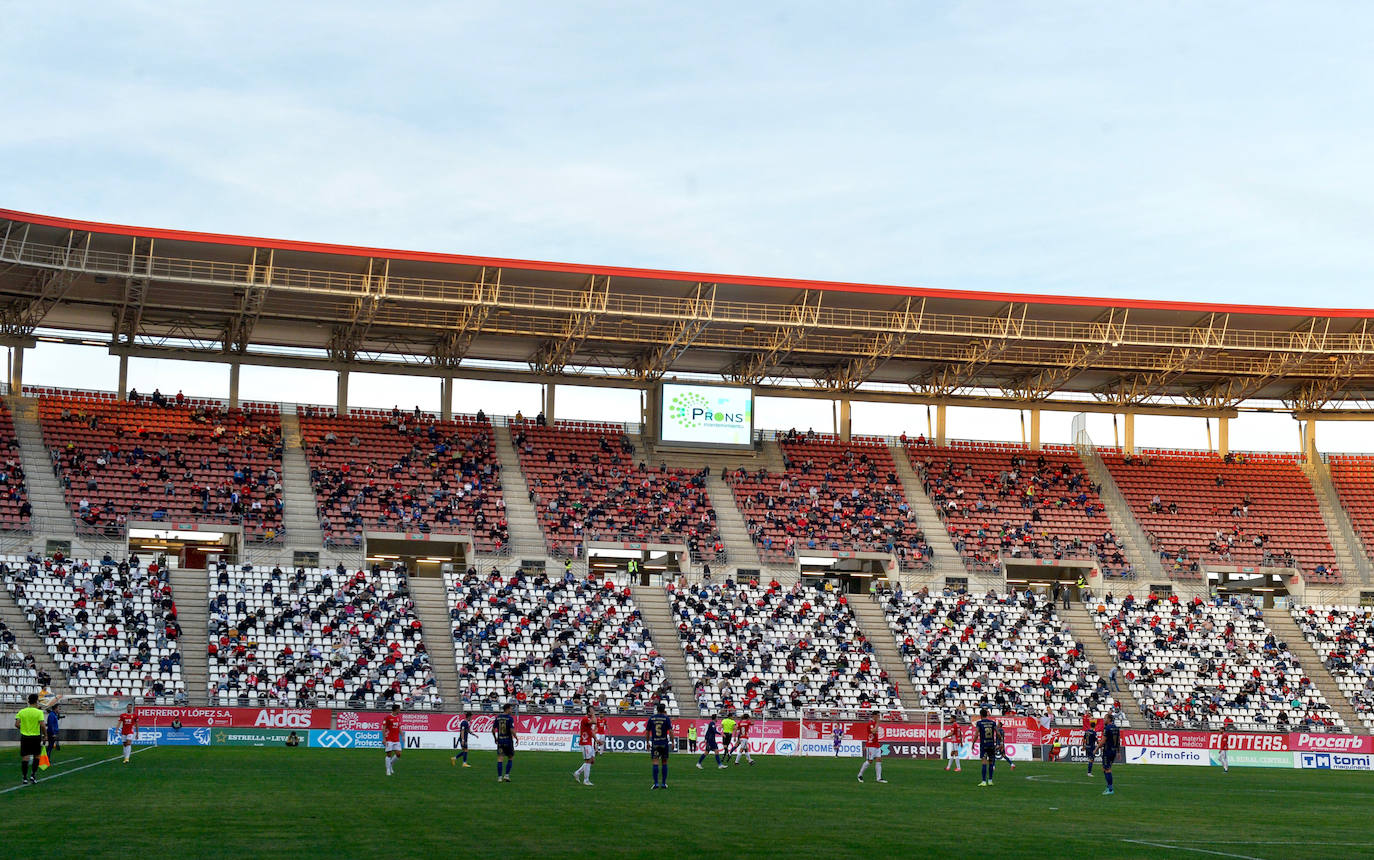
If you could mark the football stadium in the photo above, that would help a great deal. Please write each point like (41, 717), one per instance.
(302, 539)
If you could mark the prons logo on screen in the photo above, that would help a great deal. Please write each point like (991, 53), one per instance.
(691, 410)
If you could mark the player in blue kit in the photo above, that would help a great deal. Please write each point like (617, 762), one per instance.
(464, 730)
(985, 731)
(1089, 741)
(712, 746)
(1111, 743)
(503, 732)
(660, 734)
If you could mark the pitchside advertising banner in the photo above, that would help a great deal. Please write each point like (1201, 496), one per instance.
(238, 718)
(185, 737)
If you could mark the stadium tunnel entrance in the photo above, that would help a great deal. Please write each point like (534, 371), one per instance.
(1265, 585)
(637, 563)
(185, 545)
(850, 573)
(422, 554)
(1041, 575)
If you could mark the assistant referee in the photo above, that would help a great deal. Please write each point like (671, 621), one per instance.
(33, 728)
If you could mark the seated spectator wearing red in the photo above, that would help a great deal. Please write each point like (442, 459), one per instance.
(586, 485)
(406, 472)
(834, 496)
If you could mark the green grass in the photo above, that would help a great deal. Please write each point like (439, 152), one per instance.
(247, 803)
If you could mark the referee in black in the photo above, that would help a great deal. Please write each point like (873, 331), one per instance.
(33, 728)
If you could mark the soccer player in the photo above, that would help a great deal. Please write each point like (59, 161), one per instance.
(128, 727)
(1111, 742)
(727, 730)
(711, 748)
(1089, 740)
(601, 732)
(660, 734)
(954, 739)
(586, 737)
(873, 750)
(742, 740)
(464, 730)
(1226, 730)
(836, 736)
(53, 717)
(32, 729)
(391, 736)
(1002, 747)
(985, 731)
(503, 731)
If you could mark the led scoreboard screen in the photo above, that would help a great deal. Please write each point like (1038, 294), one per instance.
(706, 415)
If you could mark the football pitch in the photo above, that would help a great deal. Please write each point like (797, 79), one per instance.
(275, 802)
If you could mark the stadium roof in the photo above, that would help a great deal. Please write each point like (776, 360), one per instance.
(184, 295)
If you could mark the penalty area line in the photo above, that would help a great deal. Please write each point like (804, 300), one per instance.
(74, 770)
(1194, 850)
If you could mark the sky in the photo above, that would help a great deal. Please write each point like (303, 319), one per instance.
(1215, 151)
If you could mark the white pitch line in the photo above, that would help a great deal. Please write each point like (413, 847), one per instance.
(73, 770)
(1194, 850)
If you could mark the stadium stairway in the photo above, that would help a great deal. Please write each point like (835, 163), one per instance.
(1078, 621)
(431, 605)
(51, 516)
(1124, 525)
(652, 601)
(29, 643)
(526, 537)
(1352, 557)
(299, 515)
(947, 560)
(870, 616)
(191, 591)
(739, 548)
(1286, 631)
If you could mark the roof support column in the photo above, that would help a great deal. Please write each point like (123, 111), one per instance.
(123, 376)
(1129, 422)
(549, 391)
(446, 398)
(1309, 447)
(940, 425)
(846, 424)
(16, 370)
(341, 407)
(1035, 430)
(1223, 436)
(234, 385)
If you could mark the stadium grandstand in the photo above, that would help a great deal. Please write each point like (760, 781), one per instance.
(345, 555)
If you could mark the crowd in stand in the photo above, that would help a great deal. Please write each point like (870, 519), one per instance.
(406, 472)
(316, 637)
(833, 496)
(552, 643)
(774, 650)
(111, 626)
(163, 459)
(1196, 664)
(18, 673)
(1006, 651)
(586, 485)
(1045, 507)
(1343, 637)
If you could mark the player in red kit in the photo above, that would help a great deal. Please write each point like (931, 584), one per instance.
(128, 728)
(873, 750)
(586, 738)
(742, 731)
(601, 733)
(391, 736)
